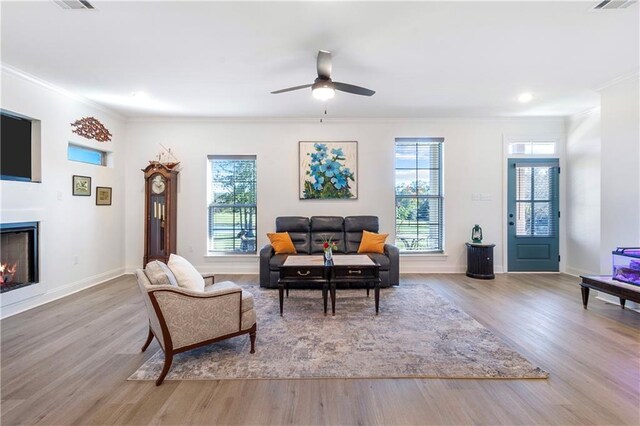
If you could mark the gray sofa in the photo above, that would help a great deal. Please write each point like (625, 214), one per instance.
(307, 235)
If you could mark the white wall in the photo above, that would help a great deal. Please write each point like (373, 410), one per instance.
(620, 169)
(473, 158)
(70, 226)
(583, 193)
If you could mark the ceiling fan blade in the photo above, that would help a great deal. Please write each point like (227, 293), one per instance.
(289, 89)
(350, 88)
(324, 64)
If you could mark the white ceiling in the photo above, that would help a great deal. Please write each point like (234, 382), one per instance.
(424, 59)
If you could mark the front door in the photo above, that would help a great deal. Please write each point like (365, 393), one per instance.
(532, 213)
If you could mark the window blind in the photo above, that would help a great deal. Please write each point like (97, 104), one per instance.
(418, 194)
(232, 204)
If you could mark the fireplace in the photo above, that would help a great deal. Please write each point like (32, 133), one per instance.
(18, 255)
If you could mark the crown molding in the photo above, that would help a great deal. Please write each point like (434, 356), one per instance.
(30, 78)
(588, 111)
(619, 79)
(340, 120)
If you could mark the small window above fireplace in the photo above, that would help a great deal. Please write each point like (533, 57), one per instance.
(20, 156)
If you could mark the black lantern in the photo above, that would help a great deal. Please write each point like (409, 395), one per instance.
(476, 234)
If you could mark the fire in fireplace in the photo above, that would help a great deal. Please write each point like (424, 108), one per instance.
(18, 255)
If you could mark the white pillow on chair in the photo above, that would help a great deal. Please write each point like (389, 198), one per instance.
(186, 275)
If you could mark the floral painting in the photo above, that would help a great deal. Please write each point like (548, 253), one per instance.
(328, 170)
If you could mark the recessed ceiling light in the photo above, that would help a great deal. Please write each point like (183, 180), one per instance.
(525, 97)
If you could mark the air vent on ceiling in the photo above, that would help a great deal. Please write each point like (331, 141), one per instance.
(614, 4)
(74, 4)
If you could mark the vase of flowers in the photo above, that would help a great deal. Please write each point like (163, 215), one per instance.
(329, 246)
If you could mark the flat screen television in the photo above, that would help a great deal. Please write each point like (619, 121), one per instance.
(15, 148)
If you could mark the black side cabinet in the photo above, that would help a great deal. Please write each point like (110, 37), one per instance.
(480, 261)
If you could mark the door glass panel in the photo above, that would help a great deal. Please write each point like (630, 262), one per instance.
(523, 219)
(520, 148)
(542, 226)
(542, 183)
(543, 148)
(523, 183)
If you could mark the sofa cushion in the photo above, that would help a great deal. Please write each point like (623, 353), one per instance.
(159, 274)
(186, 275)
(298, 229)
(276, 261)
(372, 242)
(353, 227)
(325, 227)
(380, 259)
(281, 242)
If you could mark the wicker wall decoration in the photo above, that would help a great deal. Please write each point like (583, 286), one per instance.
(91, 128)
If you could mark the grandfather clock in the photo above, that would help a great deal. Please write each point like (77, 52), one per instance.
(161, 196)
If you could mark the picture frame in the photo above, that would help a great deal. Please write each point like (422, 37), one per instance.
(103, 195)
(328, 170)
(81, 186)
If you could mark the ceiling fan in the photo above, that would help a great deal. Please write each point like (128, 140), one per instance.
(323, 87)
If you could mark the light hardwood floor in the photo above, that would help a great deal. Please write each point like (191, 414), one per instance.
(67, 363)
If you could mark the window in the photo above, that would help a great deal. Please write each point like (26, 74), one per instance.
(419, 199)
(86, 155)
(232, 204)
(532, 148)
(535, 198)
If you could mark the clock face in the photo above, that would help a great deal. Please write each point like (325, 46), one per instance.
(158, 184)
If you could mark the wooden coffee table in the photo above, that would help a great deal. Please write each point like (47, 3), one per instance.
(341, 269)
(304, 269)
(608, 285)
(356, 268)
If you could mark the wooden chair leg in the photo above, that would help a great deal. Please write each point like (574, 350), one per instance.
(252, 336)
(168, 359)
(148, 342)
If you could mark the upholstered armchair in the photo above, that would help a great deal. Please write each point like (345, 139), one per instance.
(182, 319)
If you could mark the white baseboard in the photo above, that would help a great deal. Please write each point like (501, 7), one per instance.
(59, 292)
(616, 301)
(577, 272)
(600, 295)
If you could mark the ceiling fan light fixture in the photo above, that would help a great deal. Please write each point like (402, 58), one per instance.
(323, 93)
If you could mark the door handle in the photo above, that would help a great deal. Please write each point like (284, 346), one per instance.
(303, 275)
(511, 223)
(355, 271)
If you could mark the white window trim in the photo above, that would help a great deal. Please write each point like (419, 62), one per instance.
(423, 253)
(228, 254)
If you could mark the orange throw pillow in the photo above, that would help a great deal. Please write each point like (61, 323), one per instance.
(281, 243)
(372, 242)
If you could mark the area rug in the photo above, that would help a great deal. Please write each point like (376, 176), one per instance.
(417, 334)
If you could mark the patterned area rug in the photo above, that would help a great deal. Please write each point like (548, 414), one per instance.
(417, 334)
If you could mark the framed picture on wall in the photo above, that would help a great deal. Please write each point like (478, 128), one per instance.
(81, 186)
(328, 170)
(103, 196)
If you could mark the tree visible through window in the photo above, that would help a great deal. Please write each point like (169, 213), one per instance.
(232, 204)
(419, 194)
